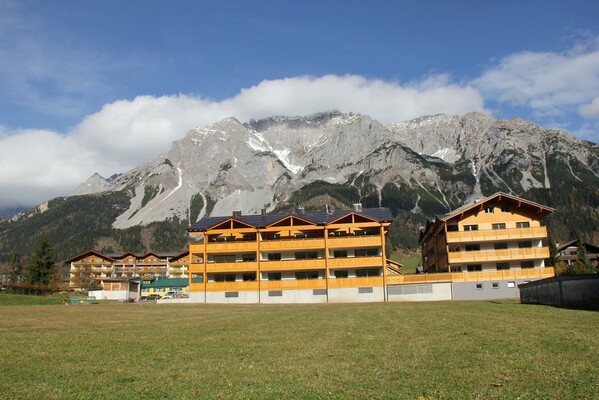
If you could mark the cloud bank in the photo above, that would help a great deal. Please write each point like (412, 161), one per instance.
(36, 165)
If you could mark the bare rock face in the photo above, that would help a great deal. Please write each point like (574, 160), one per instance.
(442, 159)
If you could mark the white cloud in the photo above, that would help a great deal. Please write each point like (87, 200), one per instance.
(550, 83)
(36, 165)
(590, 110)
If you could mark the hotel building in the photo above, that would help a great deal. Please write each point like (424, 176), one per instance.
(286, 258)
(489, 246)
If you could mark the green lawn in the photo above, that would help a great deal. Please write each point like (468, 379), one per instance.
(445, 350)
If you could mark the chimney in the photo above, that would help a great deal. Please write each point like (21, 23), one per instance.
(301, 210)
(237, 214)
(357, 207)
(263, 212)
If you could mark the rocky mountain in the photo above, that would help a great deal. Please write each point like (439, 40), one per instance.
(418, 168)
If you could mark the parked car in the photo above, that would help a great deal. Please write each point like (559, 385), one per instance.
(154, 297)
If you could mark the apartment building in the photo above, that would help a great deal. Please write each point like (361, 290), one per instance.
(294, 257)
(96, 267)
(489, 246)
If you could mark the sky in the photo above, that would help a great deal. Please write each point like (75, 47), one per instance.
(102, 86)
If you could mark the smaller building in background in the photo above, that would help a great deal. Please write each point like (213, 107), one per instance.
(568, 253)
(93, 268)
(178, 287)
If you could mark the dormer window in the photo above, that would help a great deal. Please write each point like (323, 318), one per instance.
(489, 210)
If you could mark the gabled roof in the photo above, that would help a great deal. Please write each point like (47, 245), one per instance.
(88, 253)
(381, 214)
(167, 282)
(544, 210)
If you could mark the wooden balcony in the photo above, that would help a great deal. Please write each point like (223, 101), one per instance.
(292, 244)
(539, 232)
(232, 266)
(369, 281)
(230, 286)
(291, 265)
(352, 262)
(354, 241)
(291, 284)
(498, 255)
(236, 246)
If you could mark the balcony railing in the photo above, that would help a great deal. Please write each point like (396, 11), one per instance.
(498, 255)
(233, 246)
(538, 232)
(293, 284)
(350, 262)
(529, 273)
(229, 286)
(354, 241)
(292, 244)
(356, 282)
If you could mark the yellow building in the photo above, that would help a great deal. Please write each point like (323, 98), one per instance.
(298, 257)
(96, 267)
(498, 240)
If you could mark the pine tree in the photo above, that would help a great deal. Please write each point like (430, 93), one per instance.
(41, 265)
(16, 263)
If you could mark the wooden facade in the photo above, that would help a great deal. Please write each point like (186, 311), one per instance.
(269, 255)
(498, 233)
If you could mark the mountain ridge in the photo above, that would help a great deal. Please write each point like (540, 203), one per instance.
(418, 168)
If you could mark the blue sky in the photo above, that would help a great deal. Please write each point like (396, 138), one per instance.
(96, 78)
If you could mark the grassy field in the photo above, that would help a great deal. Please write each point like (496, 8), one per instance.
(446, 350)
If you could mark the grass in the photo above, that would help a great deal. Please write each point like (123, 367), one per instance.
(444, 350)
(408, 259)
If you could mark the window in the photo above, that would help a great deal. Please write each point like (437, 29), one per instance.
(479, 286)
(366, 252)
(502, 265)
(274, 276)
(224, 258)
(500, 246)
(495, 285)
(275, 293)
(224, 277)
(196, 278)
(302, 275)
(489, 210)
(470, 227)
(505, 209)
(273, 236)
(306, 255)
(340, 253)
(319, 292)
(499, 226)
(364, 272)
(231, 294)
(472, 247)
(249, 257)
(365, 290)
(338, 233)
(274, 256)
(524, 245)
(511, 284)
(340, 274)
(474, 267)
(249, 277)
(524, 224)
(300, 235)
(249, 238)
(527, 264)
